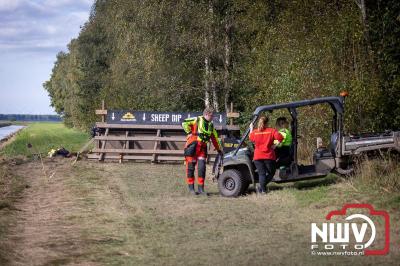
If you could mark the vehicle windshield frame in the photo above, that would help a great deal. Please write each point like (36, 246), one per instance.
(336, 103)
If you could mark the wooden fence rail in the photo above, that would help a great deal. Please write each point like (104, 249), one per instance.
(149, 142)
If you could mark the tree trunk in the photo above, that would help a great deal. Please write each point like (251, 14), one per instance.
(208, 77)
(214, 93)
(211, 51)
(363, 8)
(227, 62)
(207, 80)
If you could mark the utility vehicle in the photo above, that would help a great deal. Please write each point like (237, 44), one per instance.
(238, 170)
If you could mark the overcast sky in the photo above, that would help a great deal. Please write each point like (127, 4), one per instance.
(32, 32)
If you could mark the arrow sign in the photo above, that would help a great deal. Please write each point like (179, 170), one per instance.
(158, 118)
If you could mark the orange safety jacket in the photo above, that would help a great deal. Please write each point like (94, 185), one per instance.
(202, 131)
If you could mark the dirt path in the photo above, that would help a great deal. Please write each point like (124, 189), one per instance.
(41, 235)
(138, 214)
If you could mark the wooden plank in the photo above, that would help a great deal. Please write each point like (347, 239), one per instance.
(143, 138)
(124, 146)
(103, 146)
(101, 112)
(126, 157)
(138, 151)
(127, 141)
(82, 150)
(156, 145)
(92, 156)
(103, 107)
(232, 115)
(142, 157)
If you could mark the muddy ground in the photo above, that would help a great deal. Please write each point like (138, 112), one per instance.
(140, 214)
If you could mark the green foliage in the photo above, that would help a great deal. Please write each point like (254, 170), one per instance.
(151, 55)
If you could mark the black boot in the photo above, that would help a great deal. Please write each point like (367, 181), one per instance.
(261, 191)
(201, 190)
(191, 189)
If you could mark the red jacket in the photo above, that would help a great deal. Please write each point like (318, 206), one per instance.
(263, 140)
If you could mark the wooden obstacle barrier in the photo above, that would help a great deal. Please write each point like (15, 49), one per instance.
(149, 136)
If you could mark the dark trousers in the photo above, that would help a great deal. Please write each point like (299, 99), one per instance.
(266, 171)
(283, 156)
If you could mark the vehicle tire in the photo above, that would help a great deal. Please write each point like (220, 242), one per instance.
(232, 183)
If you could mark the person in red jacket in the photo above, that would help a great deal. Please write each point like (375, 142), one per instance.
(265, 140)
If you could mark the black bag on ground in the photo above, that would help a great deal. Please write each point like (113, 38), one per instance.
(63, 152)
(190, 150)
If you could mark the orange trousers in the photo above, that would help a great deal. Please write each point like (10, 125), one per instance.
(200, 159)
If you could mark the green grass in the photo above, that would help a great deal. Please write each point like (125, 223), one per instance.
(44, 136)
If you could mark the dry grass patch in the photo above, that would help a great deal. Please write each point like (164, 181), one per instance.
(141, 214)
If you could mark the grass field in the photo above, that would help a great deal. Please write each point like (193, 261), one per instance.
(95, 213)
(141, 214)
(43, 137)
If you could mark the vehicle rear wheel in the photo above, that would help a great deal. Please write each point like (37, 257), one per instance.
(232, 183)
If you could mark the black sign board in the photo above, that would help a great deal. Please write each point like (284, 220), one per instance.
(156, 118)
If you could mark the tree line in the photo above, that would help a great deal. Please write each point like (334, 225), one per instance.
(27, 117)
(183, 55)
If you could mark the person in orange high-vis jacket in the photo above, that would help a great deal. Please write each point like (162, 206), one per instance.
(265, 140)
(200, 130)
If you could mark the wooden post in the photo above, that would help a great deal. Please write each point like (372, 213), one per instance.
(103, 145)
(154, 160)
(231, 115)
(102, 111)
(125, 146)
(103, 117)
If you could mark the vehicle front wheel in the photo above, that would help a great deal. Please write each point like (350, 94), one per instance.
(232, 183)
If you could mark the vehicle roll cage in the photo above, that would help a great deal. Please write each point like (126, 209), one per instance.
(336, 103)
